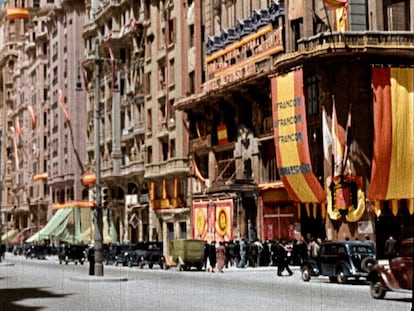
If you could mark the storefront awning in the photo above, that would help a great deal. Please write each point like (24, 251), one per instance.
(74, 225)
(21, 236)
(54, 227)
(9, 235)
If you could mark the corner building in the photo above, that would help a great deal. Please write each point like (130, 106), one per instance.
(278, 80)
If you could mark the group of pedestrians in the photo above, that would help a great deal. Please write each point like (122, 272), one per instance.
(241, 254)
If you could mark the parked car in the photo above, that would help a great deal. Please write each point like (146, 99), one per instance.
(36, 251)
(119, 254)
(340, 261)
(72, 253)
(397, 276)
(185, 253)
(147, 253)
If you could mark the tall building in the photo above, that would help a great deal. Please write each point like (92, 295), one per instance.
(43, 116)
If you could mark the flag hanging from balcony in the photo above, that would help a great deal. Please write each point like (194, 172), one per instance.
(392, 175)
(63, 106)
(338, 144)
(327, 137)
(291, 138)
(222, 134)
(341, 13)
(32, 115)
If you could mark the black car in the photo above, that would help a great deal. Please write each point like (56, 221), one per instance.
(72, 253)
(119, 254)
(340, 261)
(36, 251)
(147, 253)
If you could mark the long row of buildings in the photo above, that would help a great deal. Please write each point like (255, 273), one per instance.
(218, 119)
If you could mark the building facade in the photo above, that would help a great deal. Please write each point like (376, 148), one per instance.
(318, 55)
(217, 119)
(42, 157)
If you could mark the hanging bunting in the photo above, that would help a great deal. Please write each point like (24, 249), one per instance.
(62, 105)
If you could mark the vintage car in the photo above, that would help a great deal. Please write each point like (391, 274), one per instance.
(72, 253)
(119, 254)
(147, 253)
(340, 261)
(397, 276)
(36, 251)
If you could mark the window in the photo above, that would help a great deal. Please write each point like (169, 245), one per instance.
(170, 229)
(148, 83)
(183, 230)
(164, 149)
(171, 31)
(149, 155)
(312, 95)
(149, 120)
(397, 15)
(191, 35)
(172, 148)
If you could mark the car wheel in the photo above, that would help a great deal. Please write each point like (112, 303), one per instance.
(377, 290)
(340, 276)
(306, 274)
(332, 279)
(368, 263)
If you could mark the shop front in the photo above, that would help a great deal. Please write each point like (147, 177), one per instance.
(280, 218)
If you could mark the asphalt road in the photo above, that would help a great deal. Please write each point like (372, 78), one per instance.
(46, 285)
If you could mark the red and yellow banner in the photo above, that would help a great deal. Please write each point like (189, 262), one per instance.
(291, 138)
(392, 175)
(213, 220)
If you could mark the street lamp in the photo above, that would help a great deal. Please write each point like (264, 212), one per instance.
(98, 219)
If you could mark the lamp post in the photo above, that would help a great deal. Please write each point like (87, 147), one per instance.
(98, 212)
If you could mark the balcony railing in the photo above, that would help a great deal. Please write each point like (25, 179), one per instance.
(358, 39)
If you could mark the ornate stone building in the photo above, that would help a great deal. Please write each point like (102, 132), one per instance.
(42, 155)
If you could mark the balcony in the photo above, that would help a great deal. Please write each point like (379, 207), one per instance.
(370, 43)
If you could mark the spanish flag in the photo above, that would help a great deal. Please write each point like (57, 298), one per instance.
(392, 175)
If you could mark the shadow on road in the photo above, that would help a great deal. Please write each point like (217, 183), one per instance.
(11, 296)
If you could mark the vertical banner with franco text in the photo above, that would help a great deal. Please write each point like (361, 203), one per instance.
(291, 138)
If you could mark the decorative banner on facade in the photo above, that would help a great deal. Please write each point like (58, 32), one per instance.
(291, 138)
(213, 220)
(392, 175)
(341, 13)
(222, 134)
(345, 197)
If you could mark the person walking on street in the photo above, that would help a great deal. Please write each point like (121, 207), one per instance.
(212, 256)
(390, 248)
(282, 259)
(221, 257)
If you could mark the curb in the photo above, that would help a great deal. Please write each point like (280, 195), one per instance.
(6, 264)
(97, 279)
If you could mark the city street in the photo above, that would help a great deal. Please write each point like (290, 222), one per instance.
(45, 285)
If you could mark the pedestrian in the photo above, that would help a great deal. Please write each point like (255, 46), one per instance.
(242, 248)
(206, 249)
(390, 248)
(212, 257)
(282, 259)
(314, 247)
(221, 257)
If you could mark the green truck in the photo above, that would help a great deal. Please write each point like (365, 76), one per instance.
(185, 254)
